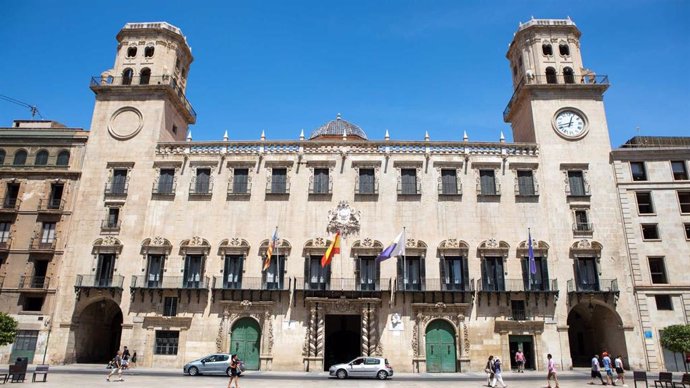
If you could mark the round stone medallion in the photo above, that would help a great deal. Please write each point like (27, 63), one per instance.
(125, 123)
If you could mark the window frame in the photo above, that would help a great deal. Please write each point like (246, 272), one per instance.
(645, 176)
(168, 344)
(480, 186)
(643, 227)
(403, 172)
(170, 304)
(686, 226)
(442, 184)
(586, 190)
(518, 187)
(685, 170)
(651, 203)
(666, 307)
(680, 204)
(661, 260)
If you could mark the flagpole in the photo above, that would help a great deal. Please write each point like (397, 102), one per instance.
(404, 258)
(529, 260)
(340, 251)
(280, 286)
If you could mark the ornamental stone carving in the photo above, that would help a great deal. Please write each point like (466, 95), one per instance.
(344, 219)
(454, 313)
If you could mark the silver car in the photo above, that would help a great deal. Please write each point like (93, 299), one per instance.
(363, 367)
(213, 364)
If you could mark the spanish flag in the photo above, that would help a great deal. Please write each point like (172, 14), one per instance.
(332, 250)
(269, 251)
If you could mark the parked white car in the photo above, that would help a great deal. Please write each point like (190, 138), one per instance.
(363, 367)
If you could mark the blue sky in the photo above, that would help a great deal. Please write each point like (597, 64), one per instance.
(406, 66)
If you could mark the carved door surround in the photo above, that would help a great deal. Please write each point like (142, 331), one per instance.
(314, 343)
(261, 312)
(455, 314)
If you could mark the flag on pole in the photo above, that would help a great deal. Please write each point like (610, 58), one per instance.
(271, 246)
(396, 248)
(530, 253)
(331, 251)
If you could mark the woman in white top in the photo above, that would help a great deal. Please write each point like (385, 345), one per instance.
(620, 371)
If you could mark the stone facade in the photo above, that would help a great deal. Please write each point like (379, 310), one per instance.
(181, 264)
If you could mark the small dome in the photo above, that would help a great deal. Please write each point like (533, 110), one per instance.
(336, 128)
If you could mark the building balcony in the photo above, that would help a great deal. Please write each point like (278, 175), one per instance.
(238, 187)
(86, 283)
(583, 228)
(168, 83)
(177, 283)
(433, 290)
(40, 245)
(33, 283)
(248, 288)
(342, 287)
(51, 205)
(5, 243)
(110, 225)
(570, 81)
(538, 291)
(117, 189)
(201, 188)
(10, 205)
(603, 289)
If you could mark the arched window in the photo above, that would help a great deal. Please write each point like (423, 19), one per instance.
(2, 156)
(551, 75)
(127, 76)
(546, 49)
(144, 76)
(568, 75)
(63, 158)
(41, 158)
(564, 49)
(19, 158)
(131, 52)
(148, 51)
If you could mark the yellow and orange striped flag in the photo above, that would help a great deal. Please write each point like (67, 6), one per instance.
(269, 252)
(331, 251)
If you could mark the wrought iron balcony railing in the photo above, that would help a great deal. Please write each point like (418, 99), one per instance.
(487, 191)
(410, 188)
(320, 187)
(34, 282)
(110, 224)
(450, 188)
(522, 285)
(201, 187)
(278, 186)
(92, 281)
(240, 186)
(600, 285)
(170, 282)
(342, 284)
(116, 188)
(165, 188)
(527, 191)
(583, 227)
(5, 242)
(366, 187)
(245, 283)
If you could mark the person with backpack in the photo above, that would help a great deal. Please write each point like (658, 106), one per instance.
(489, 369)
(498, 374)
(235, 371)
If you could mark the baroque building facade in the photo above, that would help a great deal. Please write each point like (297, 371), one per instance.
(169, 254)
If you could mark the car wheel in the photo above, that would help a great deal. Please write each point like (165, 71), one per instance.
(341, 374)
(193, 371)
(228, 372)
(382, 375)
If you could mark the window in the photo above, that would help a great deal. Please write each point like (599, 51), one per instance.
(170, 306)
(684, 201)
(367, 181)
(687, 231)
(278, 181)
(408, 181)
(576, 183)
(5, 232)
(551, 76)
(131, 52)
(275, 273)
(193, 271)
(680, 173)
(32, 303)
(644, 203)
(148, 51)
(166, 342)
(410, 273)
(25, 342)
(104, 270)
(144, 76)
(321, 181)
(638, 171)
(568, 75)
(19, 158)
(202, 181)
(487, 182)
(546, 49)
(63, 158)
(525, 180)
(232, 271)
(55, 199)
(650, 232)
(657, 270)
(11, 196)
(119, 183)
(113, 218)
(663, 302)
(317, 276)
(166, 181)
(492, 274)
(539, 280)
(564, 49)
(454, 273)
(154, 270)
(41, 158)
(449, 182)
(368, 273)
(127, 76)
(240, 181)
(2, 156)
(48, 233)
(587, 274)
(582, 223)
(517, 309)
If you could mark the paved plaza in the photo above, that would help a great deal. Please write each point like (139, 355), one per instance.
(94, 376)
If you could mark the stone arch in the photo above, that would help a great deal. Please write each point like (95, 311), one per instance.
(195, 244)
(283, 245)
(586, 247)
(263, 345)
(317, 245)
(97, 331)
(491, 247)
(453, 247)
(157, 245)
(538, 246)
(437, 359)
(366, 246)
(108, 244)
(594, 327)
(238, 246)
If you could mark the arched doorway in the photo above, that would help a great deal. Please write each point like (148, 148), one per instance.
(98, 334)
(440, 347)
(246, 341)
(342, 339)
(594, 328)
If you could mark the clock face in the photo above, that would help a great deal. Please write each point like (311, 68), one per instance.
(570, 124)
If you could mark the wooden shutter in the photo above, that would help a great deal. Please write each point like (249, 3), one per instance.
(442, 270)
(500, 280)
(466, 282)
(307, 271)
(422, 272)
(545, 275)
(485, 273)
(358, 276)
(525, 273)
(401, 284)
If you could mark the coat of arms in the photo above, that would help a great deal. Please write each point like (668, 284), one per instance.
(344, 219)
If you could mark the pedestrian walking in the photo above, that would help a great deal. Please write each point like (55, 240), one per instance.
(520, 361)
(620, 371)
(606, 360)
(125, 358)
(551, 368)
(134, 359)
(498, 374)
(234, 371)
(596, 370)
(489, 370)
(117, 367)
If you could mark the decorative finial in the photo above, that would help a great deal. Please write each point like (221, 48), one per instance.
(387, 136)
(189, 135)
(344, 134)
(301, 134)
(337, 117)
(464, 136)
(225, 136)
(263, 135)
(426, 136)
(502, 139)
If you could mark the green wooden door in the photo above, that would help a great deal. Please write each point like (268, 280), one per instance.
(440, 347)
(24, 345)
(245, 342)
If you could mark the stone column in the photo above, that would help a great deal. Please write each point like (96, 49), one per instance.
(365, 332)
(538, 356)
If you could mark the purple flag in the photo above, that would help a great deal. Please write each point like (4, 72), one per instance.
(530, 253)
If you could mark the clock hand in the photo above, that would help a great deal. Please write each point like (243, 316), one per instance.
(570, 123)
